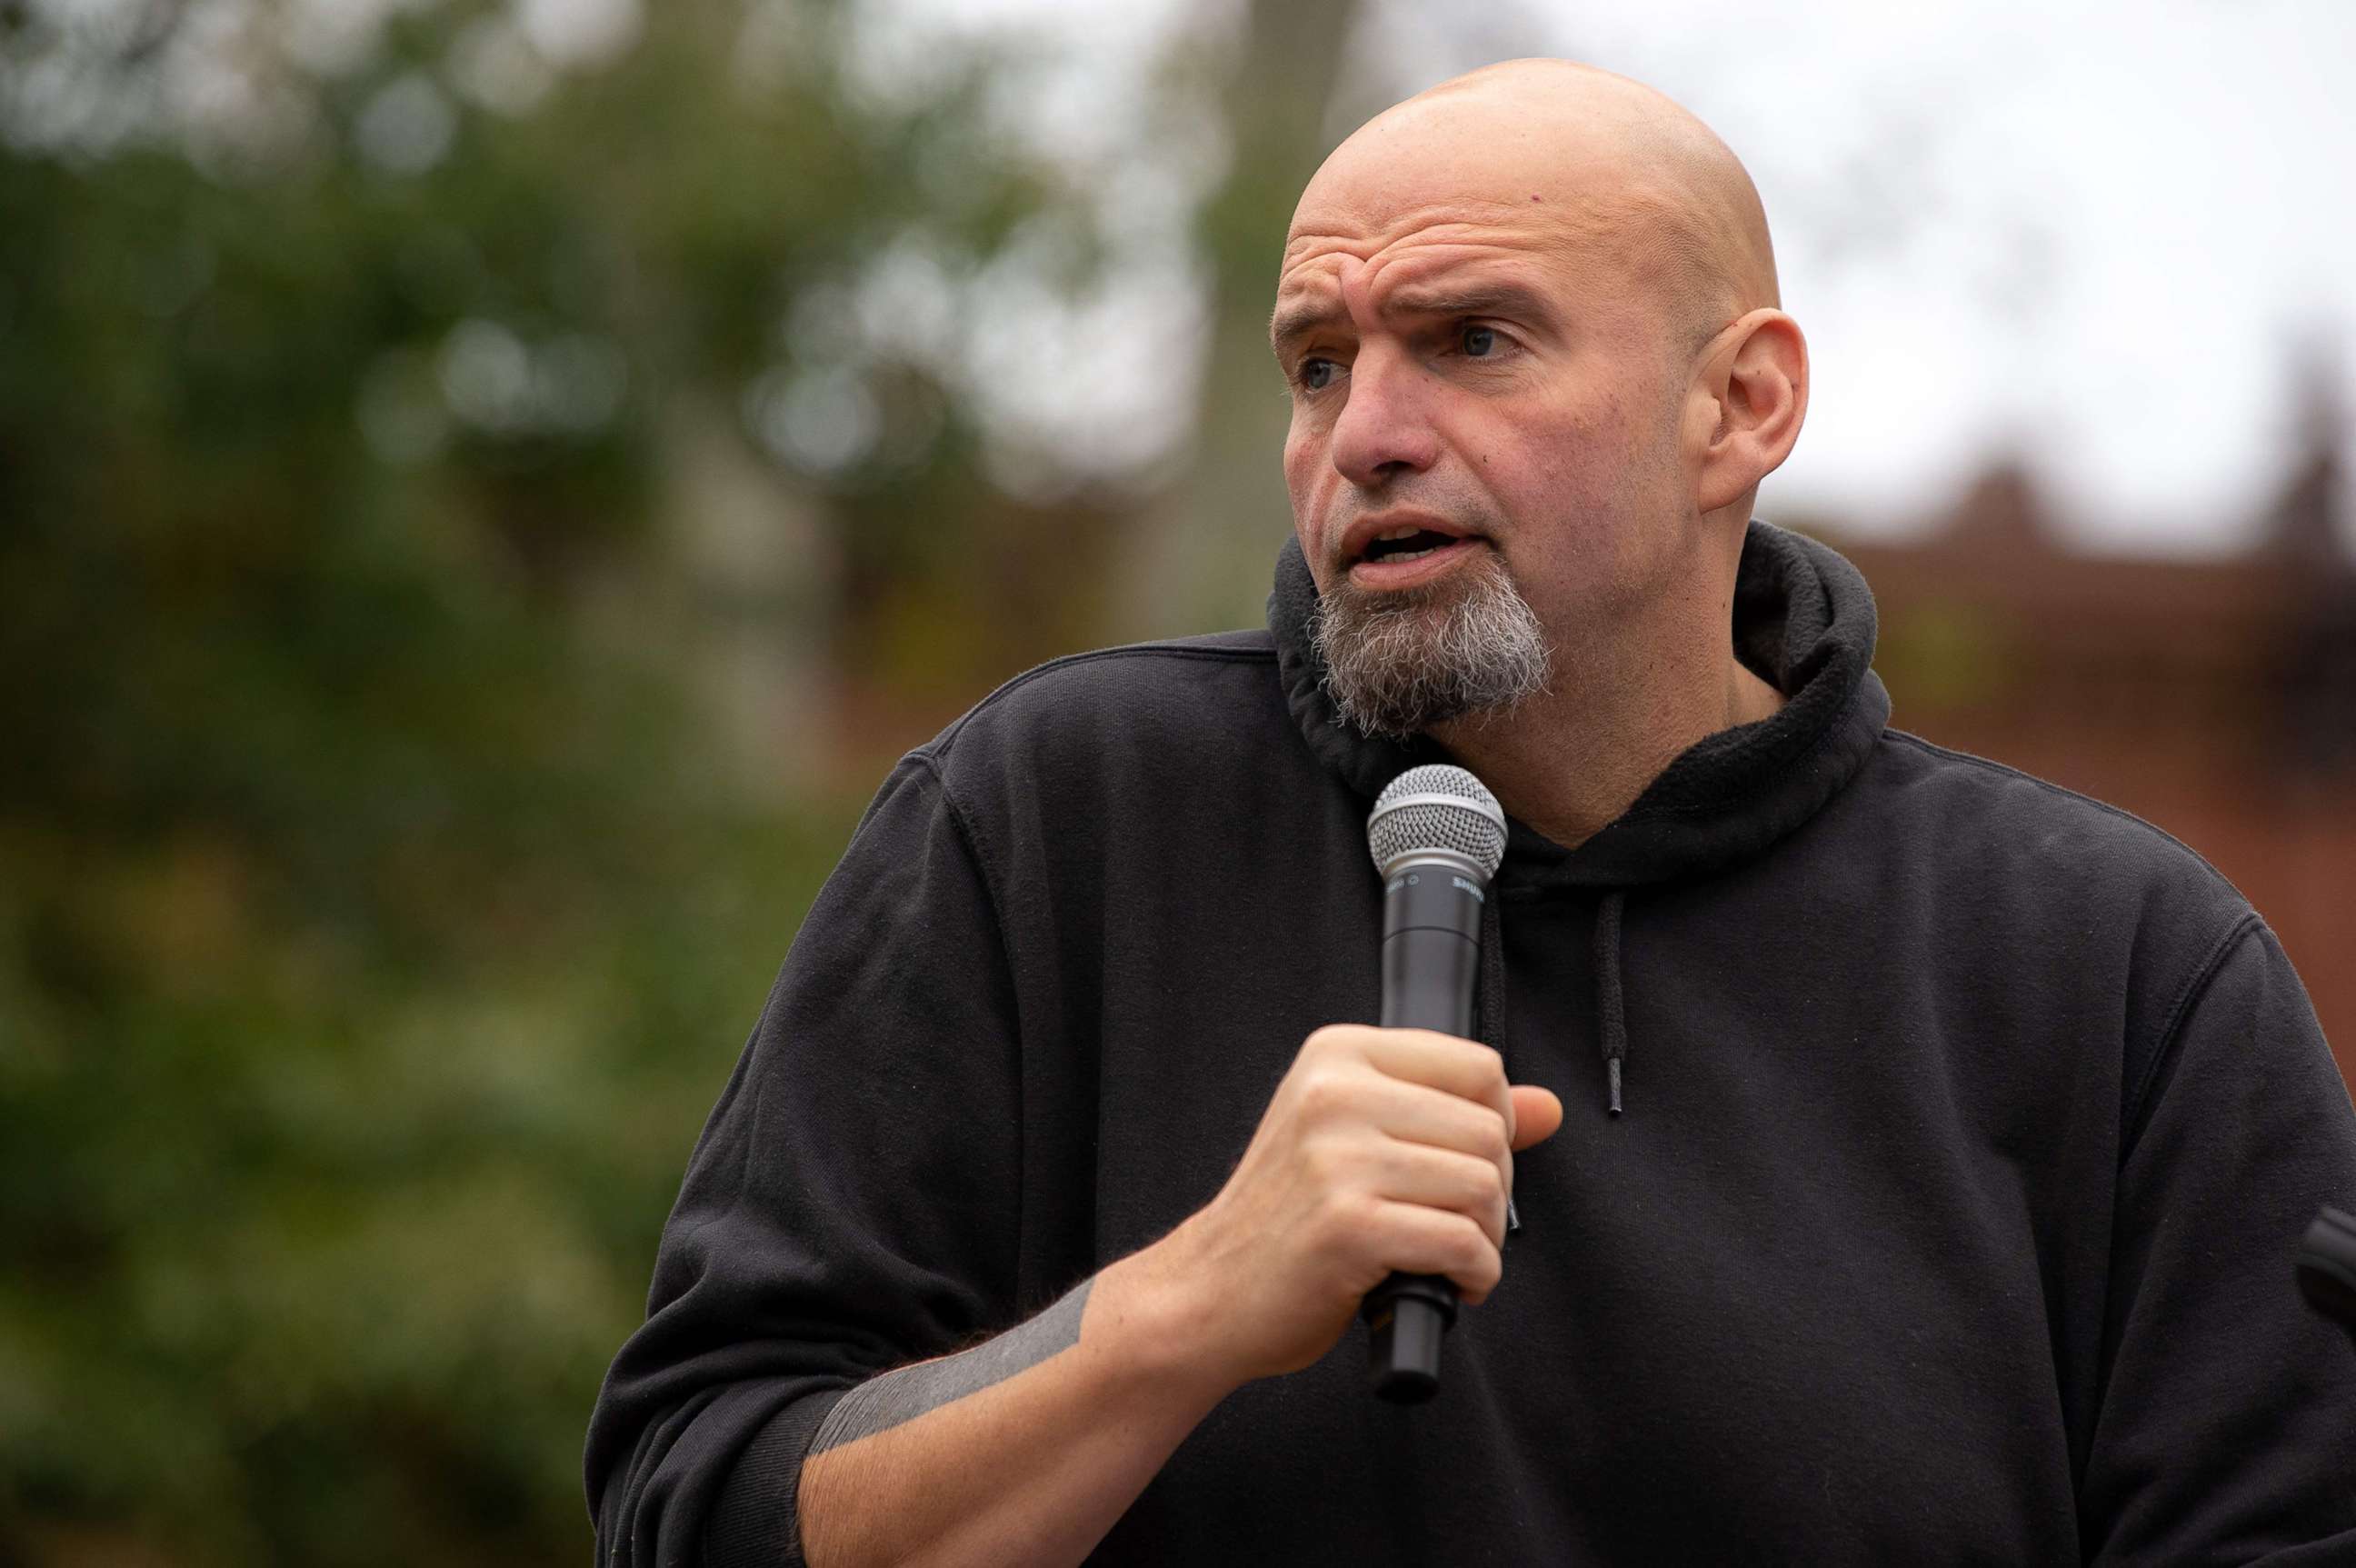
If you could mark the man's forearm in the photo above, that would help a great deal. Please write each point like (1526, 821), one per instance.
(1025, 1449)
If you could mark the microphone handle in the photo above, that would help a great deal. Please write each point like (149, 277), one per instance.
(1431, 958)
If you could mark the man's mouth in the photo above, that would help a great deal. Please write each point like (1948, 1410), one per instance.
(1406, 554)
(1407, 544)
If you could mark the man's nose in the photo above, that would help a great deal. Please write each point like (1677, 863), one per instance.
(1385, 426)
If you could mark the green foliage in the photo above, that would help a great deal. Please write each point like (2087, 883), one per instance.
(380, 911)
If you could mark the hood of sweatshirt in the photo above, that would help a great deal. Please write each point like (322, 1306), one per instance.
(1804, 621)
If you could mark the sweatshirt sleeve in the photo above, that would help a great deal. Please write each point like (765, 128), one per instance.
(852, 1205)
(2227, 1424)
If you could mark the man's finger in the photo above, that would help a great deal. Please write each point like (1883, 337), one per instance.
(1537, 1112)
(1464, 1068)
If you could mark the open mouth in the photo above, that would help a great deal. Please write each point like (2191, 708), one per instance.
(1407, 544)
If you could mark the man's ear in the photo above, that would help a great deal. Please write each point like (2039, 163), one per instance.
(1759, 380)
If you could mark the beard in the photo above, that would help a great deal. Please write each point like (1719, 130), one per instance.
(1398, 663)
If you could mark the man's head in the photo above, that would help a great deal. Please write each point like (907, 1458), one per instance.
(1530, 321)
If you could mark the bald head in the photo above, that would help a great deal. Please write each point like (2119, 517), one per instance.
(1615, 174)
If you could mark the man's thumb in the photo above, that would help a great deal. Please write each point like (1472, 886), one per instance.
(1537, 1114)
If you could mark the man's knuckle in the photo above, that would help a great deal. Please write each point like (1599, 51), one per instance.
(1324, 1096)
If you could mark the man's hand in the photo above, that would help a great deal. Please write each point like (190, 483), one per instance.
(1382, 1150)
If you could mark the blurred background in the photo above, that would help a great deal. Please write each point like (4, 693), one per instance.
(487, 488)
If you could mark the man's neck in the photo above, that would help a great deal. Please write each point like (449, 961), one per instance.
(1572, 760)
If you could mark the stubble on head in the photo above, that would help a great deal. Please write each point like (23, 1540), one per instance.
(1399, 662)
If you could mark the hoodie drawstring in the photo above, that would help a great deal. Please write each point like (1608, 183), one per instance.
(1613, 1014)
(1610, 1003)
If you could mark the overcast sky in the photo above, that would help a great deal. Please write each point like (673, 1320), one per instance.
(2092, 233)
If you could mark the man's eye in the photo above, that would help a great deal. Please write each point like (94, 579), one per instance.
(1479, 340)
(1316, 375)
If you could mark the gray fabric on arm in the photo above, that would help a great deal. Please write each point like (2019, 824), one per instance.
(896, 1397)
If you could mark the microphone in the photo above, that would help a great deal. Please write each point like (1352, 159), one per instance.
(1437, 836)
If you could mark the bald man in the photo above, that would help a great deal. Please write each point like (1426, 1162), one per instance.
(1906, 1157)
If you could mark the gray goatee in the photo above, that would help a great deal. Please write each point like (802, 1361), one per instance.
(1397, 663)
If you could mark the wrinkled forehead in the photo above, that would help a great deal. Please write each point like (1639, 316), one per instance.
(1434, 226)
(1428, 215)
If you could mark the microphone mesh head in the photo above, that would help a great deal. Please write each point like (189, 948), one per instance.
(1437, 806)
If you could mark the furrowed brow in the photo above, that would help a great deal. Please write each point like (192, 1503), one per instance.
(1499, 299)
(1294, 322)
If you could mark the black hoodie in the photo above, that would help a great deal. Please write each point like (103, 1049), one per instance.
(1968, 1130)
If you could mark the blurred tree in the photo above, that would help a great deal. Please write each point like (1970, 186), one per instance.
(401, 408)
(1204, 558)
